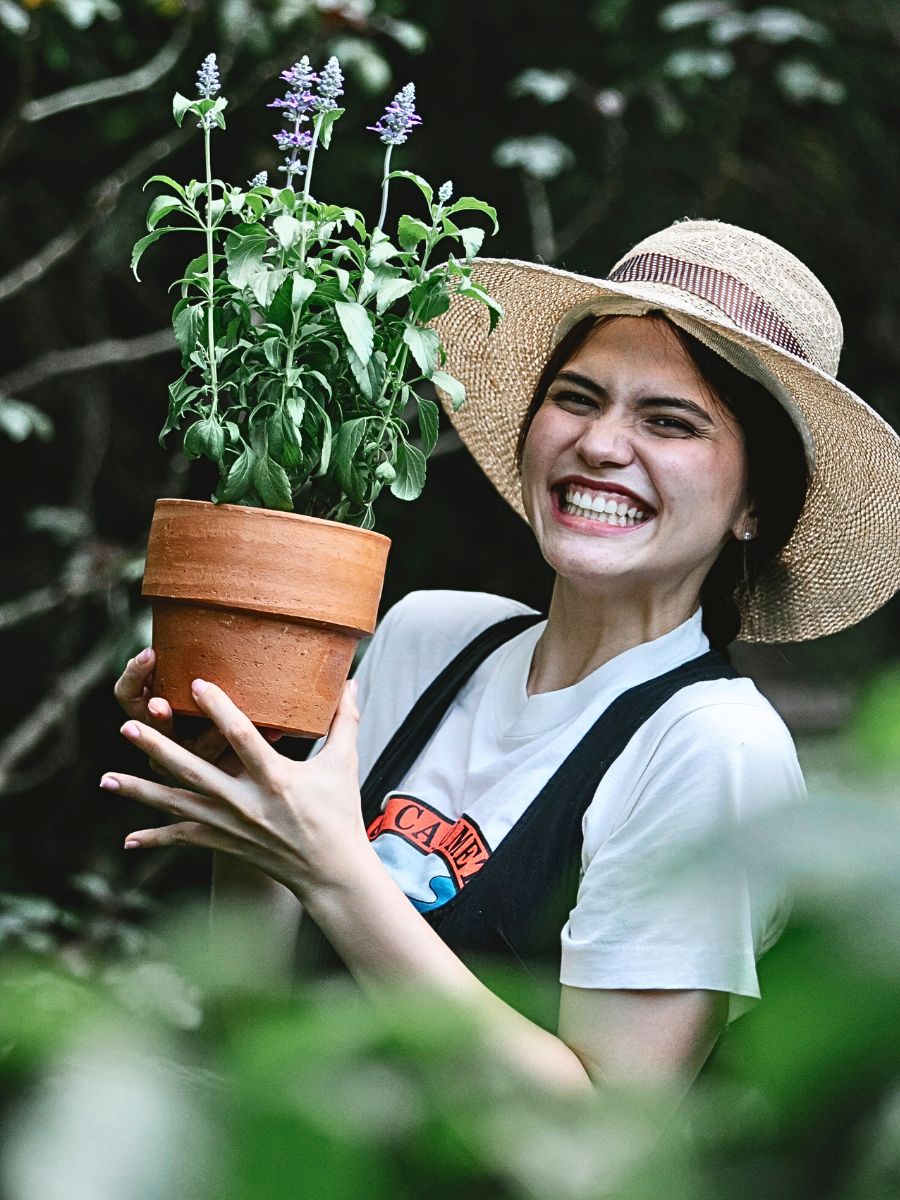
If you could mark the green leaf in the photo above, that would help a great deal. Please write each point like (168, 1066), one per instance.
(428, 422)
(265, 283)
(20, 420)
(301, 290)
(344, 447)
(369, 376)
(423, 186)
(141, 245)
(325, 443)
(180, 107)
(430, 299)
(205, 437)
(272, 350)
(452, 387)
(244, 250)
(391, 291)
(284, 445)
(470, 204)
(271, 481)
(326, 122)
(384, 249)
(169, 182)
(358, 328)
(467, 287)
(287, 230)
(423, 344)
(410, 472)
(239, 478)
(410, 232)
(188, 323)
(471, 238)
(161, 206)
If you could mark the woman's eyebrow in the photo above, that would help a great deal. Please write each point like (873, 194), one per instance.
(681, 403)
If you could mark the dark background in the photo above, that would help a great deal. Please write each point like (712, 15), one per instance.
(780, 119)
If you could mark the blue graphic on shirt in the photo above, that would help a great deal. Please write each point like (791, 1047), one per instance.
(444, 889)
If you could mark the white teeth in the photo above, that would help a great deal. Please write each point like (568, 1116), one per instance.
(596, 507)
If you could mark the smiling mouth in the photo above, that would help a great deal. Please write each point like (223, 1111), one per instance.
(604, 508)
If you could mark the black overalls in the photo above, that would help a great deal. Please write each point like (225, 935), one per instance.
(514, 908)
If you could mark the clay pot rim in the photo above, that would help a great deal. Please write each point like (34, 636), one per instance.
(250, 510)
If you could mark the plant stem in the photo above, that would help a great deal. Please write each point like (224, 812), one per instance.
(317, 123)
(211, 343)
(384, 187)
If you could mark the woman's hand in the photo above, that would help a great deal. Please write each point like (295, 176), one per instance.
(132, 690)
(301, 823)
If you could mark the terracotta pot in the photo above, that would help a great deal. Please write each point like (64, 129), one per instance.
(268, 605)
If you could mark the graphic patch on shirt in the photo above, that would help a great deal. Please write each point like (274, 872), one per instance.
(429, 855)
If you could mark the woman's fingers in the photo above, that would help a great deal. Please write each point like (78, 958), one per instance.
(131, 688)
(177, 802)
(182, 833)
(343, 733)
(251, 747)
(177, 761)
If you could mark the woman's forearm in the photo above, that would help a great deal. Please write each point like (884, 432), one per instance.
(383, 940)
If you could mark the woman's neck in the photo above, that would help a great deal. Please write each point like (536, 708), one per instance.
(584, 631)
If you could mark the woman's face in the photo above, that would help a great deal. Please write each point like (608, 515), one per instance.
(627, 425)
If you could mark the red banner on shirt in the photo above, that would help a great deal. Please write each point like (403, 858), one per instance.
(461, 844)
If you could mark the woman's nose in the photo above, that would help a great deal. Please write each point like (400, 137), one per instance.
(606, 439)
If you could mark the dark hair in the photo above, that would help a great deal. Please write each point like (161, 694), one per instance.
(777, 470)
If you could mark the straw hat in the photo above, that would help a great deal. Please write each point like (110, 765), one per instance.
(760, 308)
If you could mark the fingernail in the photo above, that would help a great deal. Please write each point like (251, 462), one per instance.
(199, 686)
(156, 707)
(145, 655)
(131, 730)
(132, 844)
(109, 783)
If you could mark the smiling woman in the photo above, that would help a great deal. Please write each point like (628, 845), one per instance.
(545, 789)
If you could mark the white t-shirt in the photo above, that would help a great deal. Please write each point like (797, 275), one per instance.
(713, 755)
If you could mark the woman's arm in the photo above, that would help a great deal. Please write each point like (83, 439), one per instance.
(605, 1036)
(301, 824)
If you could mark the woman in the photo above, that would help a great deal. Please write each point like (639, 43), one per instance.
(658, 430)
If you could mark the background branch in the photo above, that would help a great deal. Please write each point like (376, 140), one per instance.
(85, 358)
(114, 87)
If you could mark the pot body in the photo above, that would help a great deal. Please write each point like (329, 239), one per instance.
(268, 605)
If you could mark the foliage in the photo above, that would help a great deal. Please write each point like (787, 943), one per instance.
(311, 340)
(195, 1069)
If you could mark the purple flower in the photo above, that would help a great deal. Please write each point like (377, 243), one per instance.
(399, 118)
(293, 139)
(445, 191)
(296, 102)
(300, 76)
(208, 77)
(331, 85)
(260, 179)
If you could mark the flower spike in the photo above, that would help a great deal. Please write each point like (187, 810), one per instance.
(208, 77)
(399, 118)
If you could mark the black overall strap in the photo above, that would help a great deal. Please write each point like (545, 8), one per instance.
(313, 953)
(517, 904)
(425, 715)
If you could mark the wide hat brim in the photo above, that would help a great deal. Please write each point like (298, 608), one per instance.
(843, 559)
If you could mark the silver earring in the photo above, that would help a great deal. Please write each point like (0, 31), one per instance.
(747, 535)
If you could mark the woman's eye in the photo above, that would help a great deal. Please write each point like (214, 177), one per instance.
(672, 424)
(573, 398)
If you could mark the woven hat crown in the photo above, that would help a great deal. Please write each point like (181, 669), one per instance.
(757, 273)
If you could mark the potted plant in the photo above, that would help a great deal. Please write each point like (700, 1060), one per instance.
(304, 337)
